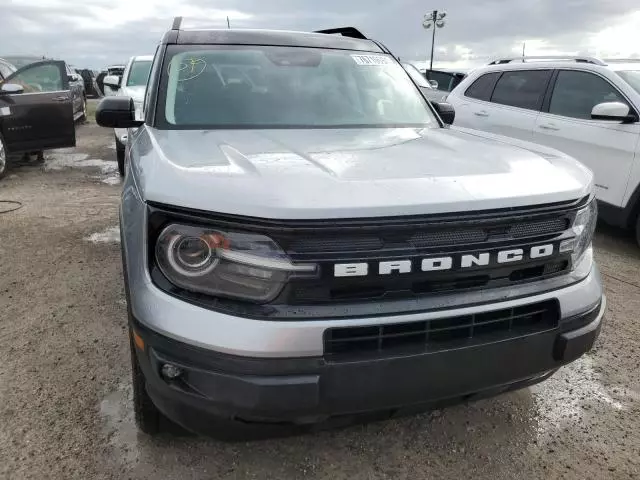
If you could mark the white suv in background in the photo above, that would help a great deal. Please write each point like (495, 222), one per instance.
(585, 107)
(132, 84)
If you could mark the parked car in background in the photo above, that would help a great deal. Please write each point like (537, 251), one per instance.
(6, 68)
(585, 107)
(78, 94)
(427, 89)
(445, 80)
(90, 85)
(132, 83)
(116, 70)
(36, 111)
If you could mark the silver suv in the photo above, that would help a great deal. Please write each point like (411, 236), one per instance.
(305, 239)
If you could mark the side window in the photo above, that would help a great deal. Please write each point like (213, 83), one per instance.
(483, 87)
(522, 88)
(576, 93)
(444, 79)
(38, 78)
(5, 71)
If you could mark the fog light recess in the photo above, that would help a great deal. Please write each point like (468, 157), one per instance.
(170, 372)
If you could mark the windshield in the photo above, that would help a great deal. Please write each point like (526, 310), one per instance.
(283, 87)
(632, 77)
(139, 73)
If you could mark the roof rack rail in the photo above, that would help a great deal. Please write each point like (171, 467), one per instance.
(352, 32)
(621, 60)
(177, 23)
(578, 59)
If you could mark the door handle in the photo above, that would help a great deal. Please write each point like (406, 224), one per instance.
(481, 113)
(62, 98)
(549, 126)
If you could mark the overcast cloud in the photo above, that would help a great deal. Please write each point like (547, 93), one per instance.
(94, 33)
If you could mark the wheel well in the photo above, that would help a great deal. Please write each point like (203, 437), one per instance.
(632, 210)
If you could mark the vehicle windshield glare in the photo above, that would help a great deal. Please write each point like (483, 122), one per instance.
(285, 87)
(139, 73)
(632, 77)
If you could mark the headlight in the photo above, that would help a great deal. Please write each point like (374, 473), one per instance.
(584, 226)
(230, 264)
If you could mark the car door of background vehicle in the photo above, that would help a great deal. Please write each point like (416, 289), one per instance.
(76, 86)
(606, 147)
(513, 106)
(41, 117)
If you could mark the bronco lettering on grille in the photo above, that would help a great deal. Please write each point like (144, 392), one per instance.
(433, 264)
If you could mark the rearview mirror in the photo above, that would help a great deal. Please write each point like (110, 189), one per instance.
(9, 88)
(615, 111)
(433, 83)
(446, 111)
(117, 112)
(112, 81)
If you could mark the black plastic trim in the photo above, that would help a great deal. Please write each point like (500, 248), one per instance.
(269, 38)
(623, 217)
(216, 386)
(302, 226)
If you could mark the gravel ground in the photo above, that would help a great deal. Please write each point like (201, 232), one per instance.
(65, 382)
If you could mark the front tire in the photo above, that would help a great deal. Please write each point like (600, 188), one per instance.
(120, 157)
(3, 158)
(638, 230)
(83, 117)
(148, 417)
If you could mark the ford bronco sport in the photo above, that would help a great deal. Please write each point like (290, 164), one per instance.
(304, 239)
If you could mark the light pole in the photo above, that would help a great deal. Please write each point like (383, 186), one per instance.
(433, 20)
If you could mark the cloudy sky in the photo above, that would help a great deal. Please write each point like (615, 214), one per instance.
(94, 33)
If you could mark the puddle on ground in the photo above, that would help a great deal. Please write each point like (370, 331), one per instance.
(117, 413)
(110, 235)
(115, 179)
(62, 160)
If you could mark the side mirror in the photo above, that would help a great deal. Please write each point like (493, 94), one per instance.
(433, 83)
(117, 112)
(112, 81)
(615, 111)
(446, 111)
(9, 88)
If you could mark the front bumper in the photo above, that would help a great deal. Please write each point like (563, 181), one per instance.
(216, 387)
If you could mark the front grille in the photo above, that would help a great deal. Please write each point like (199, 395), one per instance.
(370, 243)
(428, 236)
(418, 239)
(443, 333)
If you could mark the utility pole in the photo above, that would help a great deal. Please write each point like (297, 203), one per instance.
(228, 23)
(433, 20)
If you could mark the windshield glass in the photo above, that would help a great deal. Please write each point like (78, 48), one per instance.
(632, 77)
(139, 73)
(283, 87)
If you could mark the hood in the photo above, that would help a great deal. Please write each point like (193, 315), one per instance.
(135, 92)
(346, 173)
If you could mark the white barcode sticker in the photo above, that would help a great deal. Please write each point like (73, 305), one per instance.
(371, 60)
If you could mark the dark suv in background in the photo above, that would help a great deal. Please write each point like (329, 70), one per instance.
(37, 108)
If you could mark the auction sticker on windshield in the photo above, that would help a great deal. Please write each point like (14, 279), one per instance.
(372, 60)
